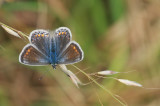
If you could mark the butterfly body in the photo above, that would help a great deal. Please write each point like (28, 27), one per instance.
(53, 48)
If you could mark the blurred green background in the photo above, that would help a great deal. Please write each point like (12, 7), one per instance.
(119, 35)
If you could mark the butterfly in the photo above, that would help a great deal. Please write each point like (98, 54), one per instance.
(51, 48)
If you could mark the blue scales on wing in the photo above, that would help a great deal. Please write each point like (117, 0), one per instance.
(68, 52)
(30, 55)
(51, 48)
(41, 39)
(72, 54)
(62, 37)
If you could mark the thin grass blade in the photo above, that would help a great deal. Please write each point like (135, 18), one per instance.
(107, 72)
(73, 77)
(10, 31)
(13, 31)
(129, 83)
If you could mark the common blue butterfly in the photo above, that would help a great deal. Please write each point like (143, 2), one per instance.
(51, 47)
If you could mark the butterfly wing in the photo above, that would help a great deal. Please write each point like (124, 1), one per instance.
(62, 37)
(30, 55)
(41, 39)
(72, 54)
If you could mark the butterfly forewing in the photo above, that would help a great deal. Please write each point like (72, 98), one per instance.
(41, 39)
(62, 37)
(30, 55)
(72, 54)
(51, 48)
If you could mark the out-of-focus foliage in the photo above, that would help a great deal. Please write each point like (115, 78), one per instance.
(118, 35)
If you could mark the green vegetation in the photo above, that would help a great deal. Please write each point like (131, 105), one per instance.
(116, 35)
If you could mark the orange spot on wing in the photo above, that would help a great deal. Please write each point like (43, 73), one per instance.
(29, 50)
(35, 35)
(62, 33)
(42, 35)
(39, 35)
(59, 33)
(65, 33)
(27, 53)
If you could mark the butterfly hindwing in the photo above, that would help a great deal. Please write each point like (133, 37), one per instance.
(62, 37)
(51, 48)
(30, 55)
(41, 39)
(72, 54)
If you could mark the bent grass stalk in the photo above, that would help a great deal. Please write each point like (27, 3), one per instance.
(101, 86)
(17, 31)
(97, 94)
